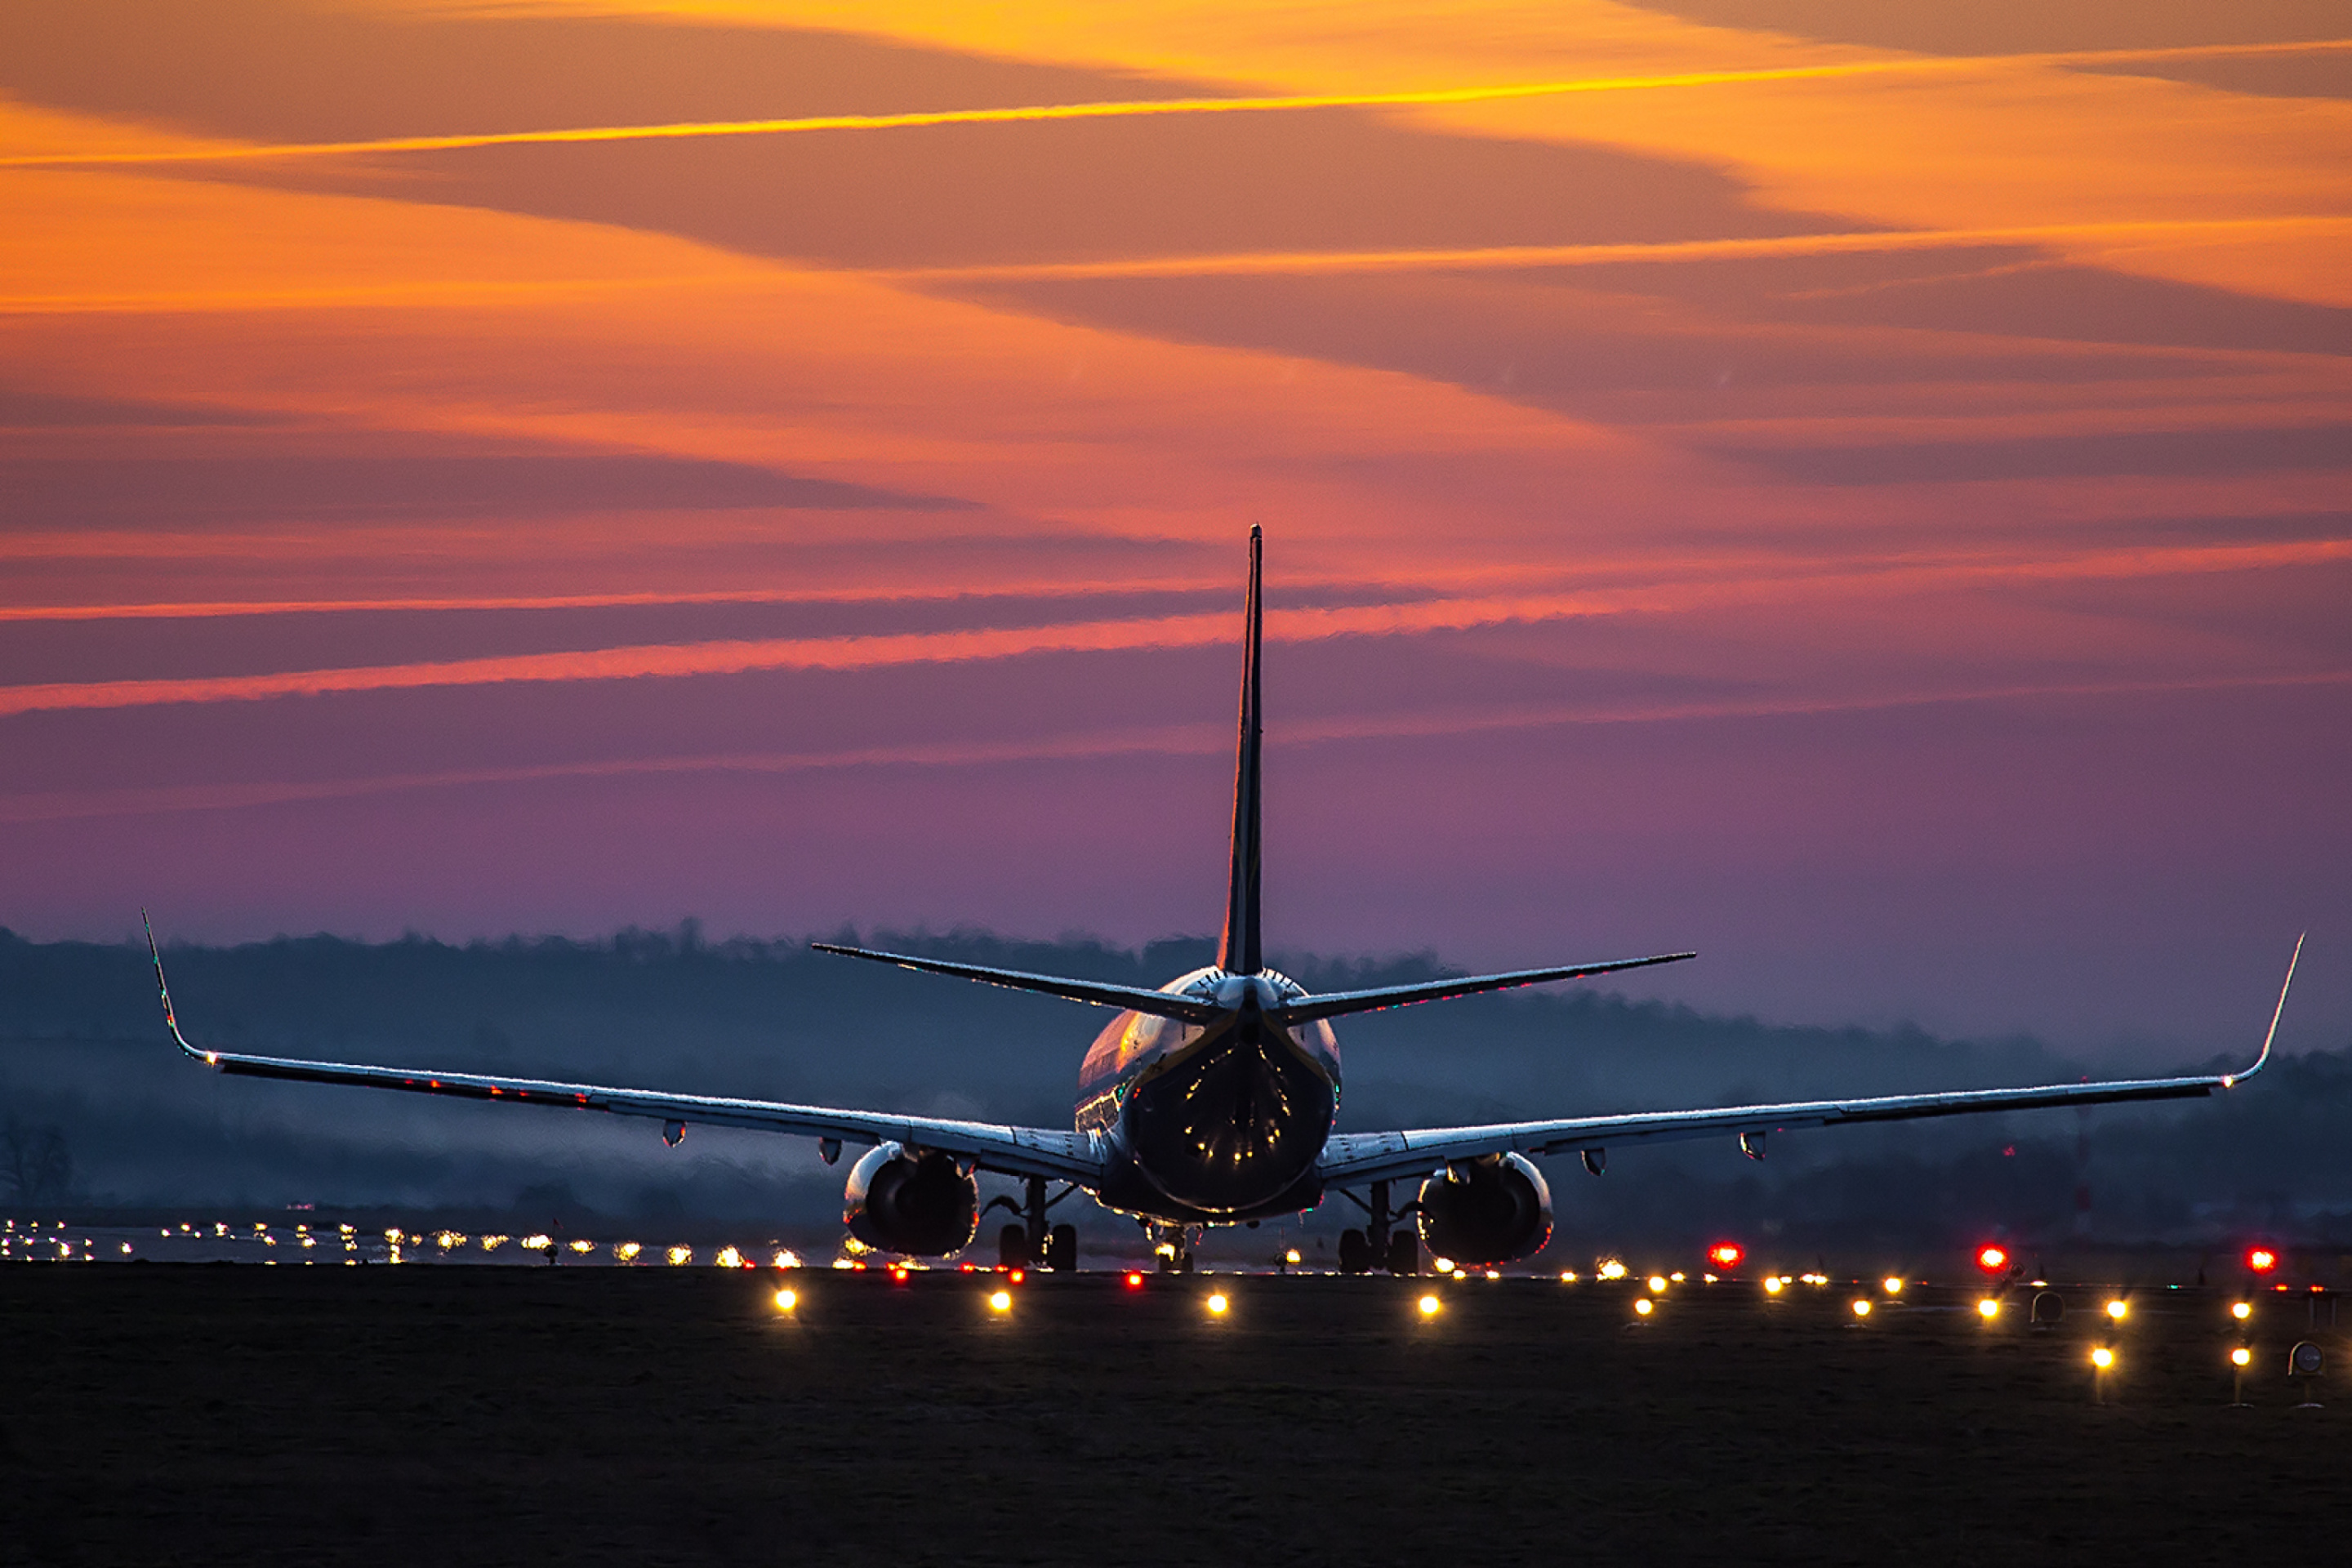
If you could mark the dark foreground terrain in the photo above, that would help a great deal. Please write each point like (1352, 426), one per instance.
(188, 1414)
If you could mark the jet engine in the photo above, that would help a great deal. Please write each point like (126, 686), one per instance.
(1486, 1211)
(903, 1200)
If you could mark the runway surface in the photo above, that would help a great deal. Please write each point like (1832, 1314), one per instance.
(186, 1414)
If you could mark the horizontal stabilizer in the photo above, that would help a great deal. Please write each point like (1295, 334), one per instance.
(1338, 1003)
(1134, 998)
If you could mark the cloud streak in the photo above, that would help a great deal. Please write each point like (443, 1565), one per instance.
(1127, 109)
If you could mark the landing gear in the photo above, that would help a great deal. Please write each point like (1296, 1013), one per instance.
(1013, 1248)
(1031, 1244)
(1377, 1246)
(1172, 1246)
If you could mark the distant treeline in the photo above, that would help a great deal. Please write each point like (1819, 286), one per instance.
(98, 1107)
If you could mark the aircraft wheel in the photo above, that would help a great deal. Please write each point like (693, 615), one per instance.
(1355, 1252)
(1012, 1247)
(1405, 1254)
(1062, 1249)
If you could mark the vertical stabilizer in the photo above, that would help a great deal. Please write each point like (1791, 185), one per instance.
(1239, 953)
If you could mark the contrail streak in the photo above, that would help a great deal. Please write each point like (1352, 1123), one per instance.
(1124, 108)
(737, 657)
(1243, 264)
(1202, 739)
(1517, 256)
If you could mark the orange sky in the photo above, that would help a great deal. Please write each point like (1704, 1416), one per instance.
(1856, 489)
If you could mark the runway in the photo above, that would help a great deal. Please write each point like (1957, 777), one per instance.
(213, 1414)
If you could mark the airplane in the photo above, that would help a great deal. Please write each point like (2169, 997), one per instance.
(1211, 1101)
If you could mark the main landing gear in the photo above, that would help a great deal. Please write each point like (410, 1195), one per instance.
(1377, 1246)
(1030, 1242)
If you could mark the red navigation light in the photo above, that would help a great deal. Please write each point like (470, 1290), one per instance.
(2260, 1260)
(1725, 1254)
(1135, 1282)
(1992, 1257)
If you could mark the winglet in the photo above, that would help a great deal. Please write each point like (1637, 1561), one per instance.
(1240, 952)
(2231, 1081)
(171, 1020)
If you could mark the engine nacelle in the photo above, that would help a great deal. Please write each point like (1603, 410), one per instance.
(919, 1202)
(1486, 1211)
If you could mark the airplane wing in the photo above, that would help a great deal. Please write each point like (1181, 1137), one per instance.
(1059, 1155)
(1351, 1158)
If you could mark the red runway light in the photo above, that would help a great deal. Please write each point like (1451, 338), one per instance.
(2260, 1260)
(1135, 1282)
(1725, 1254)
(1992, 1258)
(1018, 1275)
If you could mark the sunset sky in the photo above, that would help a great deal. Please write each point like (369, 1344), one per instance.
(1863, 489)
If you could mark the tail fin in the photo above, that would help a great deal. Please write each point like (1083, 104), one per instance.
(1240, 952)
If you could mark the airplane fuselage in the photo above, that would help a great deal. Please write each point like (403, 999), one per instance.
(1213, 1122)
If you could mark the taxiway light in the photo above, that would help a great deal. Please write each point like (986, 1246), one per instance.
(1568, 1276)
(786, 1259)
(1645, 1306)
(627, 1251)
(1861, 1307)
(2242, 1311)
(537, 1243)
(583, 1246)
(1725, 1254)
(2103, 1358)
(2241, 1356)
(1892, 1284)
(1001, 1302)
(1217, 1304)
(679, 1256)
(731, 1257)
(1992, 1258)
(2118, 1310)
(1291, 1256)
(1773, 1285)
(2260, 1260)
(1610, 1268)
(1429, 1306)
(1135, 1282)
(1657, 1283)
(1987, 1309)
(787, 1300)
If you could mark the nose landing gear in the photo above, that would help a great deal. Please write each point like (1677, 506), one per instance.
(1172, 1246)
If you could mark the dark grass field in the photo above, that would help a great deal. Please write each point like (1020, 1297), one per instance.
(185, 1414)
